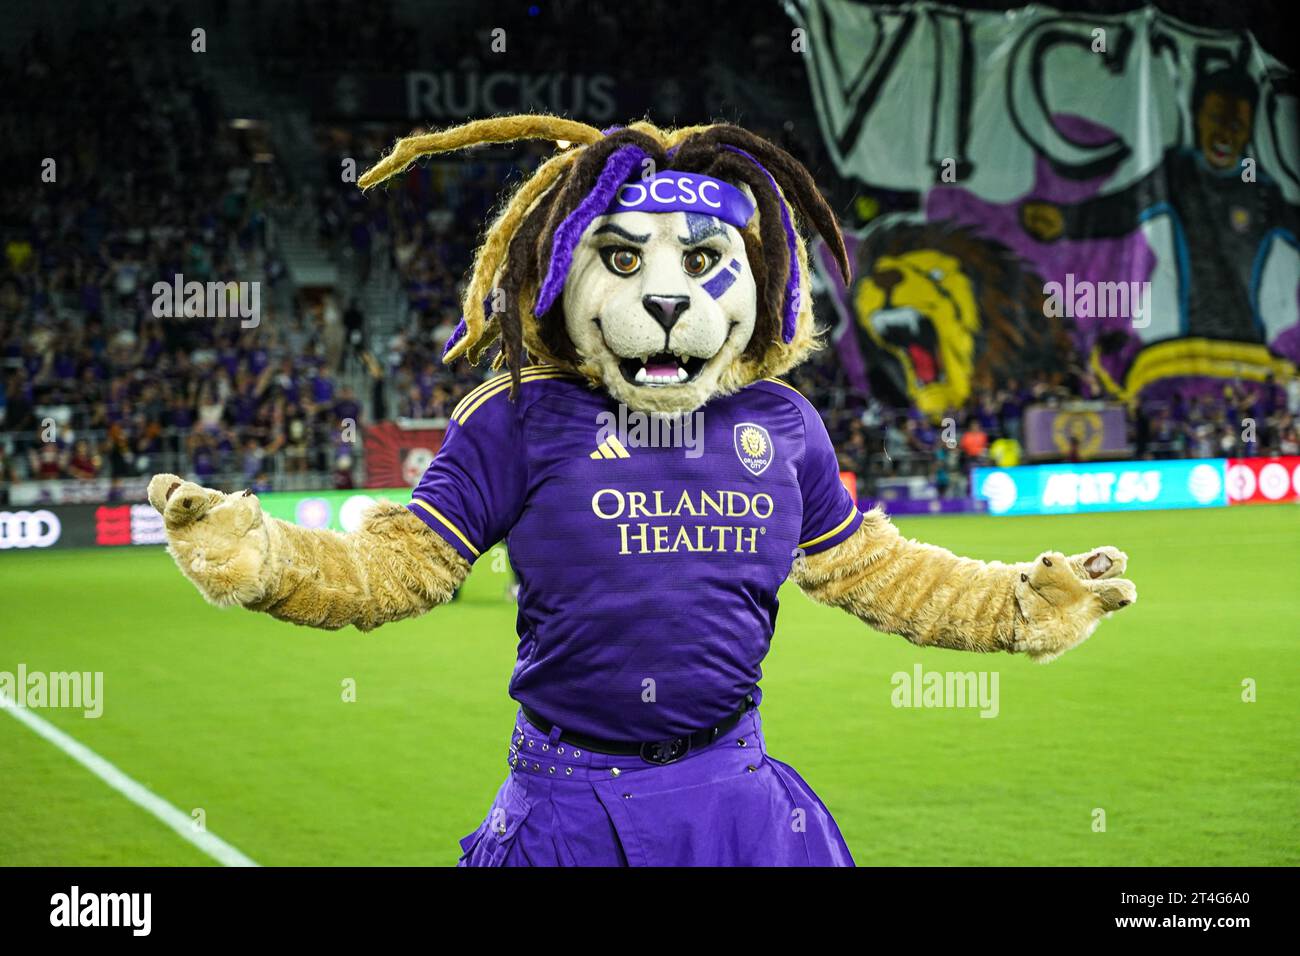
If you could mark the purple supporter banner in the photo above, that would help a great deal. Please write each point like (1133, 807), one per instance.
(1075, 431)
(1004, 226)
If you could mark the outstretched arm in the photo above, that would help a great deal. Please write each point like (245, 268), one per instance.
(1110, 216)
(392, 567)
(933, 597)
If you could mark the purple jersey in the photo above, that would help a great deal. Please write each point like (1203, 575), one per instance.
(648, 575)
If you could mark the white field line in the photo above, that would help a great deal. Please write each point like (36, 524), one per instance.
(137, 793)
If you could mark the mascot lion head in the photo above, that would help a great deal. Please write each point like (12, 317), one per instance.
(941, 309)
(665, 266)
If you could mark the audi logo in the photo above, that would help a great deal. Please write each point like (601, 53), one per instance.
(28, 529)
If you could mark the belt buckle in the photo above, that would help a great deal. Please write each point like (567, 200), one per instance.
(665, 751)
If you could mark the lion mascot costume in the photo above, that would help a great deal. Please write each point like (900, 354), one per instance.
(657, 273)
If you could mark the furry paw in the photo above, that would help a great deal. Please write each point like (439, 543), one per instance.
(1061, 600)
(1103, 562)
(219, 541)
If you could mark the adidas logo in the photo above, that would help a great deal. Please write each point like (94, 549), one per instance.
(611, 447)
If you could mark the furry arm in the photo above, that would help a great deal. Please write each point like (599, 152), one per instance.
(933, 597)
(392, 567)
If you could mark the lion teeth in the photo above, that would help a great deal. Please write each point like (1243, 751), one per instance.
(907, 318)
(645, 378)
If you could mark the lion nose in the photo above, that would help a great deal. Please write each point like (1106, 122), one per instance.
(886, 279)
(666, 309)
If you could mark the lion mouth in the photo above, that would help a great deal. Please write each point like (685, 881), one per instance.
(914, 335)
(661, 369)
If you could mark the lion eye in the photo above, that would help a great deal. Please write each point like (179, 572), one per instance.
(696, 262)
(936, 275)
(621, 261)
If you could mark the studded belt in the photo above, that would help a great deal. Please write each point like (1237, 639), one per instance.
(652, 751)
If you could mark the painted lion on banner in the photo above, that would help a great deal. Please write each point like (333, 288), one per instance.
(942, 310)
(660, 275)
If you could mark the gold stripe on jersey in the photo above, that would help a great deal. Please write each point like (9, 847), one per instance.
(505, 386)
(853, 510)
(777, 381)
(443, 518)
(494, 382)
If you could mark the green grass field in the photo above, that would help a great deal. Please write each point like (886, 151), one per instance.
(243, 716)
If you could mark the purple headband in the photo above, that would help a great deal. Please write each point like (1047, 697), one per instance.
(618, 190)
(618, 168)
(790, 313)
(457, 334)
(671, 191)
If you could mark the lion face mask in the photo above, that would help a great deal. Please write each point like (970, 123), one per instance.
(662, 304)
(665, 267)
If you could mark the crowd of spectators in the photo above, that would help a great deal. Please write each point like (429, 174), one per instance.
(149, 184)
(426, 227)
(156, 182)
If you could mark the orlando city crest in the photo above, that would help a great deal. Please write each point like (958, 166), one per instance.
(753, 447)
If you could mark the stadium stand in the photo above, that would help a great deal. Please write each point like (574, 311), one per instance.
(358, 293)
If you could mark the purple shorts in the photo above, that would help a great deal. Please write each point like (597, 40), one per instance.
(728, 804)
